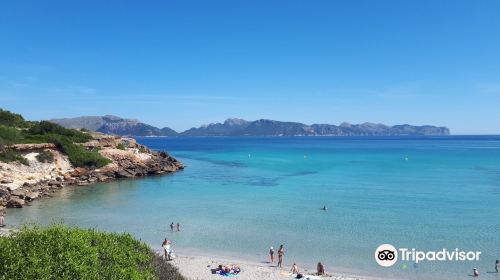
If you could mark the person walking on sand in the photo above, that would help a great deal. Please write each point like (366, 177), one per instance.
(178, 227)
(295, 269)
(172, 226)
(497, 265)
(281, 252)
(321, 269)
(271, 254)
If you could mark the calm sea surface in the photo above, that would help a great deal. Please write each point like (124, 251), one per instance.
(238, 196)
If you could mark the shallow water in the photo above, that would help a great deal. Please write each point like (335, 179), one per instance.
(238, 196)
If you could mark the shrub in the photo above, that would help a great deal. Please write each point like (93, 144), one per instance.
(77, 155)
(61, 252)
(45, 157)
(10, 156)
(8, 118)
(45, 127)
(120, 146)
(9, 135)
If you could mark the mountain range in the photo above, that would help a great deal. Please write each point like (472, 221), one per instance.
(238, 127)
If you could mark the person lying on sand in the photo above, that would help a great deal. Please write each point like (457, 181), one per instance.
(228, 269)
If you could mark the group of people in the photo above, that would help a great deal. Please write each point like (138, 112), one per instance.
(476, 273)
(281, 253)
(172, 226)
(295, 269)
(228, 270)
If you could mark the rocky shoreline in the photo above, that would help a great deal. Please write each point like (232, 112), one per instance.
(21, 184)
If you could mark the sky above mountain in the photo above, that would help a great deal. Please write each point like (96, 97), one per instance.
(183, 63)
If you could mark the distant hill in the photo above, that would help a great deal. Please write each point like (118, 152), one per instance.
(239, 127)
(114, 125)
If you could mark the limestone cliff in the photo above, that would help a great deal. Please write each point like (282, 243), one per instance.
(20, 183)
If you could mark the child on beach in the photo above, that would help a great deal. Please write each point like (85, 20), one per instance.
(172, 226)
(497, 265)
(475, 272)
(271, 254)
(295, 269)
(281, 252)
(178, 227)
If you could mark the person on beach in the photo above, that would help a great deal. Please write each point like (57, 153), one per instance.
(281, 252)
(321, 269)
(178, 227)
(2, 219)
(271, 254)
(295, 269)
(497, 265)
(166, 249)
(172, 226)
(475, 272)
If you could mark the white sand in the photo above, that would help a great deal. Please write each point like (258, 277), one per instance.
(199, 268)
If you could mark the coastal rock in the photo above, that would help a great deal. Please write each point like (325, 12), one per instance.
(32, 195)
(79, 172)
(15, 202)
(18, 192)
(22, 183)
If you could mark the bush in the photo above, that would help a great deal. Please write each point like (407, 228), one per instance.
(9, 135)
(77, 155)
(61, 252)
(120, 146)
(10, 155)
(8, 118)
(45, 127)
(45, 157)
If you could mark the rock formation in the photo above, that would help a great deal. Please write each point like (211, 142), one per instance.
(20, 184)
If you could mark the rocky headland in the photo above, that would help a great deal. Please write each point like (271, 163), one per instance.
(22, 183)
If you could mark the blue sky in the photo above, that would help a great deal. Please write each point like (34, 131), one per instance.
(185, 63)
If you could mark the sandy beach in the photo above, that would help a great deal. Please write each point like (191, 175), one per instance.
(199, 268)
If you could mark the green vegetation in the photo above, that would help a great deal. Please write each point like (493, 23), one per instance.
(120, 146)
(15, 130)
(10, 119)
(9, 155)
(45, 157)
(77, 155)
(61, 252)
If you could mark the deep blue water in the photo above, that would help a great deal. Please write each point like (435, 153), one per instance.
(238, 196)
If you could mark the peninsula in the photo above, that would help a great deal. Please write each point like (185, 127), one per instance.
(38, 158)
(240, 127)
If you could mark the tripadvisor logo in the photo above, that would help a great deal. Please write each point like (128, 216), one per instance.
(387, 255)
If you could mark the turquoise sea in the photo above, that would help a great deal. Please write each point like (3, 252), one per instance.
(238, 196)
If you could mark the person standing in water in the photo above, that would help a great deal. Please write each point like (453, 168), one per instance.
(2, 219)
(178, 227)
(281, 252)
(475, 272)
(321, 269)
(271, 254)
(497, 265)
(172, 226)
